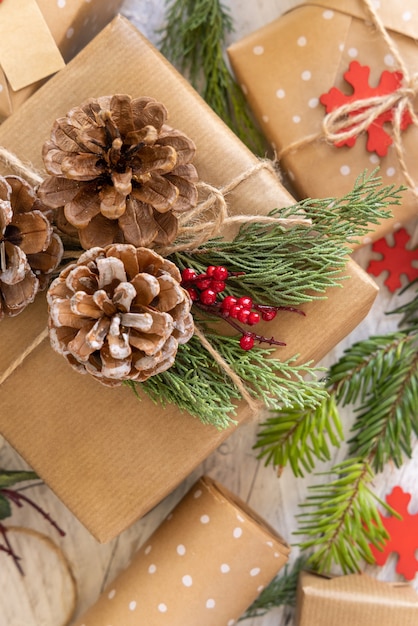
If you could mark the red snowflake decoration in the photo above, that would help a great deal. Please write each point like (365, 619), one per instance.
(358, 77)
(396, 259)
(403, 535)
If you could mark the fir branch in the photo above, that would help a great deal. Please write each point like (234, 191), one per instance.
(194, 40)
(389, 415)
(343, 520)
(195, 383)
(300, 436)
(280, 592)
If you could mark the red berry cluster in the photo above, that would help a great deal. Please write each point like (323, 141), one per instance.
(204, 289)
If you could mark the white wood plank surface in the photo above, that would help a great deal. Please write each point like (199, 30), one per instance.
(43, 596)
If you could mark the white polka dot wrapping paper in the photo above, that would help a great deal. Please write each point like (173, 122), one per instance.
(33, 36)
(286, 66)
(205, 564)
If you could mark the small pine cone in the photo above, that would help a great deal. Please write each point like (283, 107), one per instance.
(119, 313)
(119, 173)
(29, 250)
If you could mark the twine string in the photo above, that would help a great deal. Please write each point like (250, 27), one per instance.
(238, 382)
(351, 119)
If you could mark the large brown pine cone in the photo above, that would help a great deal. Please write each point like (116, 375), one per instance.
(119, 171)
(29, 250)
(119, 313)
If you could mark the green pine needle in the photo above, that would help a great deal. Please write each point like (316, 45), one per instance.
(343, 519)
(280, 592)
(194, 40)
(300, 436)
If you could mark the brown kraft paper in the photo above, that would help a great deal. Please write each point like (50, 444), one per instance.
(89, 442)
(287, 65)
(354, 600)
(205, 564)
(38, 36)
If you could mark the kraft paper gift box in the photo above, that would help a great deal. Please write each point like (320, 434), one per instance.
(205, 564)
(37, 38)
(287, 65)
(354, 600)
(92, 444)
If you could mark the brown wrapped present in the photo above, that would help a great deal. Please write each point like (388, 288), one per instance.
(89, 442)
(356, 599)
(205, 565)
(37, 37)
(286, 66)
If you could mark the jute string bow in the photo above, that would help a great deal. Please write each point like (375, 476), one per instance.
(350, 120)
(204, 222)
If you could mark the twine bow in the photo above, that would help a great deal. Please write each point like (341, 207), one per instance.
(351, 119)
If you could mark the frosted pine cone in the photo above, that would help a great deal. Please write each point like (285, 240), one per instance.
(119, 313)
(119, 171)
(29, 250)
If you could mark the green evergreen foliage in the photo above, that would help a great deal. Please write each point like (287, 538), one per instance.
(301, 436)
(380, 375)
(194, 40)
(343, 519)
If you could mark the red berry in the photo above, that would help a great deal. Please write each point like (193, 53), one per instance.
(227, 302)
(188, 274)
(243, 315)
(246, 302)
(193, 294)
(246, 342)
(220, 273)
(253, 318)
(235, 310)
(210, 270)
(269, 315)
(207, 296)
(202, 282)
(218, 285)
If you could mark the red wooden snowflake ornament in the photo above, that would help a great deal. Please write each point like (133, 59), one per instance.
(403, 535)
(358, 77)
(397, 260)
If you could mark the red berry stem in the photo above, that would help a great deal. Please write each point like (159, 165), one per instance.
(16, 497)
(214, 310)
(268, 307)
(7, 548)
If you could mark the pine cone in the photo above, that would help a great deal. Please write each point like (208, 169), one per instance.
(29, 250)
(119, 313)
(119, 171)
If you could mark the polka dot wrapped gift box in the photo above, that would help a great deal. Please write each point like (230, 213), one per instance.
(205, 565)
(305, 76)
(38, 36)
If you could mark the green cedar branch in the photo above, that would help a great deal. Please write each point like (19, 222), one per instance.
(287, 267)
(280, 592)
(195, 383)
(343, 519)
(194, 40)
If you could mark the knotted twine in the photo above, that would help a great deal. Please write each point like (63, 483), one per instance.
(204, 222)
(351, 119)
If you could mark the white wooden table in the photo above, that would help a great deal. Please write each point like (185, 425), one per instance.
(44, 595)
